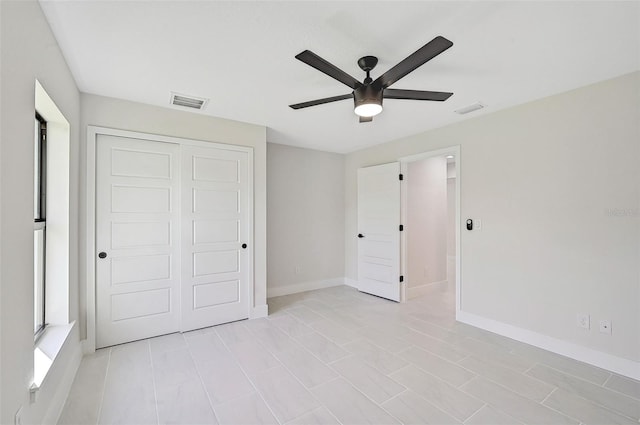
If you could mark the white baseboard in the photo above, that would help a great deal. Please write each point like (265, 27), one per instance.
(88, 347)
(593, 357)
(259, 311)
(350, 282)
(303, 287)
(417, 291)
(64, 387)
(51, 396)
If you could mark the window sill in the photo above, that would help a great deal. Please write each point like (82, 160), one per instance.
(46, 351)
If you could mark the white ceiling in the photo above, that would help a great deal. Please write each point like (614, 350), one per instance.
(241, 54)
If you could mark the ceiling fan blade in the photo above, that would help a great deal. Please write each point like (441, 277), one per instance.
(413, 61)
(437, 96)
(321, 101)
(365, 119)
(331, 70)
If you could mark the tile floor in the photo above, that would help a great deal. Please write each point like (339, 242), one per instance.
(339, 356)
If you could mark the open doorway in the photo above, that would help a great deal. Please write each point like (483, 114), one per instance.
(430, 209)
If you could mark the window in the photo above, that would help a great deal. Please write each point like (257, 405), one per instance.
(39, 223)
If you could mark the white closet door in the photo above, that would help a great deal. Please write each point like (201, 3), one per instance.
(138, 238)
(379, 233)
(215, 227)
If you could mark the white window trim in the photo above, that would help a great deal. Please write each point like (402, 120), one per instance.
(51, 341)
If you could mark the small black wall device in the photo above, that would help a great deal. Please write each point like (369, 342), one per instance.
(469, 224)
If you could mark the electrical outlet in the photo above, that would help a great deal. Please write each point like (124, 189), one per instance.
(605, 327)
(584, 321)
(298, 269)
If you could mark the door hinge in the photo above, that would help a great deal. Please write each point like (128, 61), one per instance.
(401, 278)
(401, 227)
(401, 177)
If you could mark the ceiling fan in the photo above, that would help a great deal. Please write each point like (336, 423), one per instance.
(368, 95)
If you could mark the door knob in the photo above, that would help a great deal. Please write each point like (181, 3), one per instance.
(244, 246)
(360, 235)
(102, 255)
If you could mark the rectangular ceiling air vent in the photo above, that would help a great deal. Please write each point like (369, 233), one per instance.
(470, 108)
(188, 101)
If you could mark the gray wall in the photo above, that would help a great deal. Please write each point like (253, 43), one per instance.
(29, 52)
(556, 184)
(305, 218)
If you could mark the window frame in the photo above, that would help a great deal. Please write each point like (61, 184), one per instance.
(40, 221)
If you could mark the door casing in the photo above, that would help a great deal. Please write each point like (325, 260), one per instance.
(89, 345)
(404, 163)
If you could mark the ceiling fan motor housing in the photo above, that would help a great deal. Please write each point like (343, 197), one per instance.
(366, 96)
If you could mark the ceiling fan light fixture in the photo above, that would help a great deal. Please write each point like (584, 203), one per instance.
(368, 109)
(367, 101)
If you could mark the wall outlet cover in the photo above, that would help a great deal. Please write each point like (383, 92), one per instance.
(584, 321)
(605, 327)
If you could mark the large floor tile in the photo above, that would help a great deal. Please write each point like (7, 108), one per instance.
(83, 403)
(206, 346)
(493, 354)
(305, 314)
(130, 355)
(319, 416)
(275, 340)
(411, 409)
(253, 357)
(129, 393)
(344, 319)
(624, 385)
(286, 397)
(371, 382)
(290, 325)
(321, 347)
(603, 396)
(443, 369)
(223, 379)
(490, 416)
(184, 403)
(174, 367)
(569, 366)
(318, 305)
(515, 381)
(384, 340)
(247, 410)
(349, 405)
(587, 412)
(234, 333)
(434, 345)
(515, 405)
(334, 331)
(166, 343)
(435, 331)
(446, 397)
(256, 326)
(375, 356)
(306, 367)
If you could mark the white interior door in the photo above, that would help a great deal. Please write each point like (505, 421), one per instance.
(216, 245)
(379, 233)
(138, 238)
